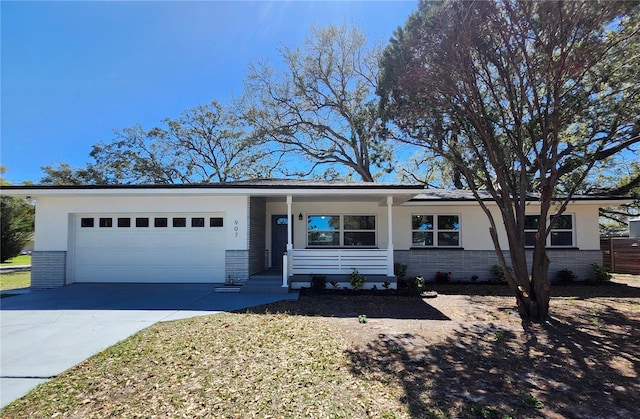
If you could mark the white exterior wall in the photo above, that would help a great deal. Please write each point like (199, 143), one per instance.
(474, 224)
(329, 208)
(53, 227)
(587, 226)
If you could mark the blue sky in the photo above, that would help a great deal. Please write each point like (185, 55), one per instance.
(72, 72)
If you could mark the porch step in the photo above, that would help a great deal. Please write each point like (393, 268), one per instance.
(228, 289)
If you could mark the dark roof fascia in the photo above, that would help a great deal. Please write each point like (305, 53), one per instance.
(364, 185)
(528, 199)
(422, 194)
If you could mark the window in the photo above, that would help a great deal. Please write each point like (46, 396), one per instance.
(531, 224)
(561, 233)
(142, 222)
(323, 230)
(435, 230)
(160, 222)
(86, 222)
(180, 222)
(214, 222)
(341, 230)
(197, 222)
(359, 230)
(106, 222)
(124, 222)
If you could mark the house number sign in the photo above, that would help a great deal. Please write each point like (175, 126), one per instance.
(235, 228)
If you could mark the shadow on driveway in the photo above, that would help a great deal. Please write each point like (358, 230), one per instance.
(199, 297)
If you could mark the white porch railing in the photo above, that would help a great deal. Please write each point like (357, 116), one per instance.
(338, 261)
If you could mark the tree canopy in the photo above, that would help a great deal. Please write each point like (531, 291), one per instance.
(16, 223)
(206, 143)
(323, 106)
(523, 99)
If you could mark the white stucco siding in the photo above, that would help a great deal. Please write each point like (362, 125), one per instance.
(328, 207)
(587, 227)
(53, 225)
(474, 224)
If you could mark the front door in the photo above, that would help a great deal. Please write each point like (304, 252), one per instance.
(279, 238)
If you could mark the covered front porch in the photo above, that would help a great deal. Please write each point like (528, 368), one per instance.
(335, 236)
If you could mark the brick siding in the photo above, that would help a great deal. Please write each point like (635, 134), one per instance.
(463, 264)
(236, 265)
(48, 269)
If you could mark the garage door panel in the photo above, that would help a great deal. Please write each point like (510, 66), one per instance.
(151, 254)
(123, 274)
(132, 258)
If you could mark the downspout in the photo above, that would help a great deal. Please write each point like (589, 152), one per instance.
(390, 239)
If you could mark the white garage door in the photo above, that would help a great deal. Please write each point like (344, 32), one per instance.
(149, 248)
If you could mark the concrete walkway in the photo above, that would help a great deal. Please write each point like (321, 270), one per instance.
(44, 333)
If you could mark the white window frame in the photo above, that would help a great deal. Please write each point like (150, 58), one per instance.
(341, 231)
(549, 238)
(435, 231)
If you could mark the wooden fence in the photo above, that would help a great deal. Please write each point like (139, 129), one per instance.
(621, 254)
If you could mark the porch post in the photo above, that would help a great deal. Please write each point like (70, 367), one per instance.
(390, 232)
(289, 221)
(286, 259)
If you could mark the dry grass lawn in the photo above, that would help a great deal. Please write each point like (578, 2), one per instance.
(463, 354)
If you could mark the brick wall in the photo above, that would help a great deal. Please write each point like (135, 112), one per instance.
(48, 269)
(257, 234)
(236, 265)
(463, 264)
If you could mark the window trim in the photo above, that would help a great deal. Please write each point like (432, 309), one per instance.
(123, 220)
(105, 222)
(150, 220)
(87, 222)
(341, 231)
(160, 222)
(216, 222)
(178, 222)
(435, 230)
(548, 239)
(142, 222)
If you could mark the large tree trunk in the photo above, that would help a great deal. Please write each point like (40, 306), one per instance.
(540, 287)
(532, 292)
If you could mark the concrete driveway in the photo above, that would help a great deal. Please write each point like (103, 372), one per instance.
(44, 333)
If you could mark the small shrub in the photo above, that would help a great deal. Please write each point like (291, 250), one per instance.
(362, 318)
(356, 279)
(529, 400)
(442, 277)
(485, 412)
(416, 285)
(474, 278)
(400, 271)
(565, 276)
(386, 285)
(498, 275)
(334, 284)
(601, 273)
(318, 282)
